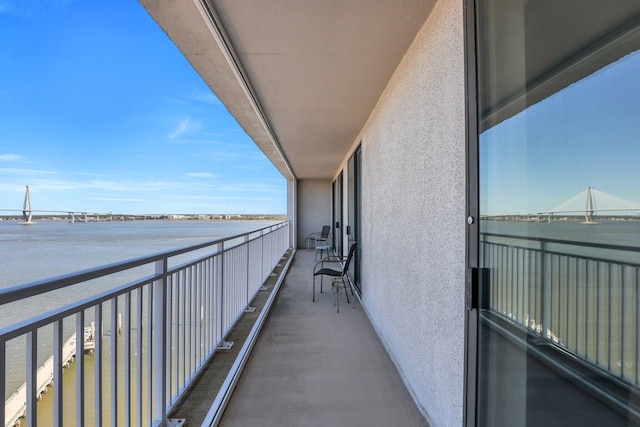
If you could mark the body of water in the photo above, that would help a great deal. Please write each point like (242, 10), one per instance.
(52, 248)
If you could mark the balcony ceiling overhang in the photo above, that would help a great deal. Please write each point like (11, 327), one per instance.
(300, 76)
(541, 47)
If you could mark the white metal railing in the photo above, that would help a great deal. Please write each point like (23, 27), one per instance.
(149, 337)
(580, 296)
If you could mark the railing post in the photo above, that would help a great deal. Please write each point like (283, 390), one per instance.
(32, 376)
(159, 344)
(57, 373)
(544, 307)
(248, 309)
(3, 388)
(97, 364)
(80, 367)
(223, 344)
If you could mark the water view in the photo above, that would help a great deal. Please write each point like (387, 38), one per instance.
(54, 248)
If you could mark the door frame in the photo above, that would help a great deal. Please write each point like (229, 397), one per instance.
(473, 218)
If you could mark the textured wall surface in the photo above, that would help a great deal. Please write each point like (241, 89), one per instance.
(314, 207)
(413, 216)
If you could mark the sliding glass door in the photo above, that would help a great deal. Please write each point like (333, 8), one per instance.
(337, 215)
(558, 243)
(354, 206)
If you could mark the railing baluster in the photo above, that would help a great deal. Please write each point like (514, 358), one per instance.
(221, 296)
(598, 314)
(201, 325)
(127, 359)
(80, 368)
(183, 330)
(32, 377)
(178, 298)
(636, 359)
(188, 330)
(609, 323)
(97, 351)
(159, 346)
(139, 369)
(621, 317)
(3, 385)
(57, 373)
(114, 362)
(149, 353)
(170, 341)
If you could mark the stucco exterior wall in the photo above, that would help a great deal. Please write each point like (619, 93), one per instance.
(413, 216)
(313, 207)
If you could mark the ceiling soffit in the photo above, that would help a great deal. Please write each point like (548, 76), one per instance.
(300, 76)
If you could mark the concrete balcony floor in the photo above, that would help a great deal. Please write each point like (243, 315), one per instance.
(312, 366)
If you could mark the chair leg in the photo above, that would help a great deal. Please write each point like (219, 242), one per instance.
(355, 299)
(314, 289)
(344, 285)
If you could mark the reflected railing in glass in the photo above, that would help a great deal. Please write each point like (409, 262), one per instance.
(580, 296)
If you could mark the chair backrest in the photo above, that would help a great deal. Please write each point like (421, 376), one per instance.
(352, 250)
(325, 231)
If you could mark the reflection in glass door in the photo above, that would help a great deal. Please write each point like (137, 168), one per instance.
(337, 215)
(354, 203)
(559, 191)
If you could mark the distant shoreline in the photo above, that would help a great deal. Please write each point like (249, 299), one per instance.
(150, 217)
(557, 218)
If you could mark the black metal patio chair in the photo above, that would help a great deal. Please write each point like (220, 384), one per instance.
(320, 237)
(340, 275)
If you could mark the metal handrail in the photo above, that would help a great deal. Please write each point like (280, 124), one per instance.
(566, 242)
(175, 319)
(26, 290)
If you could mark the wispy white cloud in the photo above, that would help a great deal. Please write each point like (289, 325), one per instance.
(183, 126)
(197, 96)
(25, 172)
(204, 97)
(195, 141)
(12, 158)
(200, 175)
(115, 199)
(258, 188)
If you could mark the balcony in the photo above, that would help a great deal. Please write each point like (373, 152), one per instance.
(311, 366)
(175, 358)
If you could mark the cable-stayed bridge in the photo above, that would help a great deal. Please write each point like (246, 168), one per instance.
(589, 203)
(27, 213)
(79, 216)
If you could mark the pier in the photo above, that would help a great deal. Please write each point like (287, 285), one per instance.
(15, 406)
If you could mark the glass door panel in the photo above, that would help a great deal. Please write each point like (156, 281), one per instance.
(337, 215)
(354, 201)
(559, 190)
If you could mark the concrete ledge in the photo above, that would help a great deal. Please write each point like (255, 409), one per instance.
(209, 394)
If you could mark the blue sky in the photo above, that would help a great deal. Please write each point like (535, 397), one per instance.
(100, 112)
(585, 135)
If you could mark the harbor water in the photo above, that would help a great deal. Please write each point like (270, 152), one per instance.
(52, 248)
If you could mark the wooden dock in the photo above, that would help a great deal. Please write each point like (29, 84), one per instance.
(16, 405)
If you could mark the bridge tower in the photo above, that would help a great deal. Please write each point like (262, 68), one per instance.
(588, 209)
